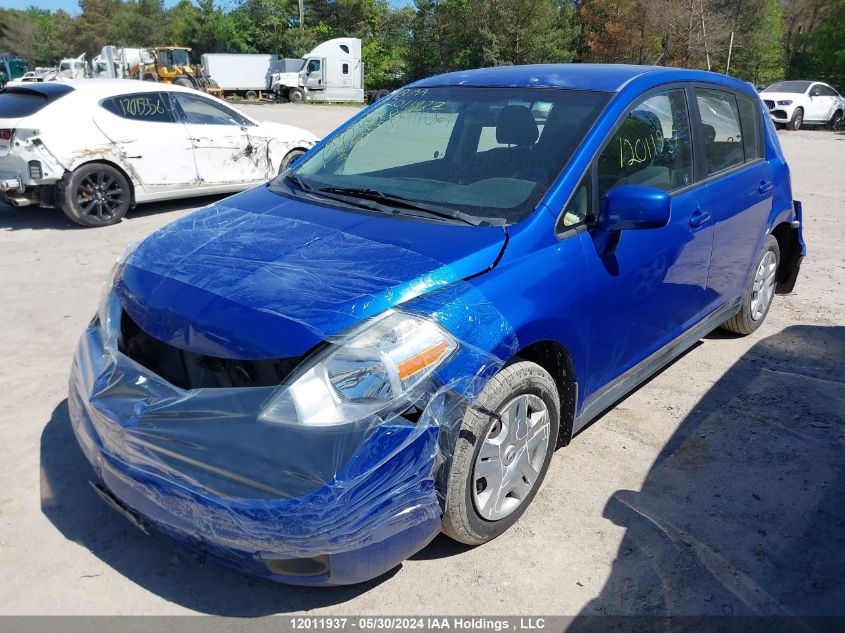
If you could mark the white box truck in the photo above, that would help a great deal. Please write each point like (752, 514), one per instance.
(244, 75)
(331, 72)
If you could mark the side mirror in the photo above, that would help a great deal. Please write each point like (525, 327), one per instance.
(633, 207)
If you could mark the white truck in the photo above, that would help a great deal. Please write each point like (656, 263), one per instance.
(245, 75)
(331, 72)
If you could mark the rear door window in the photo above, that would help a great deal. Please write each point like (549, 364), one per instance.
(152, 107)
(651, 146)
(720, 128)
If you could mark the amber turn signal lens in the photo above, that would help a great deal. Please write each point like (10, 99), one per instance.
(425, 358)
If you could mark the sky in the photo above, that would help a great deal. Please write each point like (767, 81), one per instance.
(72, 6)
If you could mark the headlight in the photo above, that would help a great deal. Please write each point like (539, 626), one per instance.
(785, 102)
(380, 365)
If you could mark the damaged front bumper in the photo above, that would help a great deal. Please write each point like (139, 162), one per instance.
(366, 502)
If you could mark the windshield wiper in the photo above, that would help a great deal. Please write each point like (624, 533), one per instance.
(295, 180)
(414, 205)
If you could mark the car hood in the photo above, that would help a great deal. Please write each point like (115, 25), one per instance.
(781, 96)
(261, 275)
(288, 132)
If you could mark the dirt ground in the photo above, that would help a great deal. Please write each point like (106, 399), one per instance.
(715, 488)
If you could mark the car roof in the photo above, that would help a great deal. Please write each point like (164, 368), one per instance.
(102, 87)
(600, 77)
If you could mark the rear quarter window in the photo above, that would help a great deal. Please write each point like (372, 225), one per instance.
(14, 105)
(752, 133)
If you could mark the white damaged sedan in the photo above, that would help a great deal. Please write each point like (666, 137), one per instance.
(96, 147)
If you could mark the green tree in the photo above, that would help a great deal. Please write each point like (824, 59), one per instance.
(141, 23)
(759, 55)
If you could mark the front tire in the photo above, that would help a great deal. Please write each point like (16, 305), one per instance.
(836, 121)
(760, 292)
(797, 120)
(295, 95)
(291, 156)
(95, 195)
(502, 453)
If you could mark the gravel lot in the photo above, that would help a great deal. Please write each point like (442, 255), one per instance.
(715, 488)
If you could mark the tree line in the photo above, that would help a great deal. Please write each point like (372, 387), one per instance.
(757, 40)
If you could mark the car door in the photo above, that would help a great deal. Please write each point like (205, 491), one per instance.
(739, 187)
(819, 104)
(153, 143)
(314, 74)
(650, 287)
(228, 149)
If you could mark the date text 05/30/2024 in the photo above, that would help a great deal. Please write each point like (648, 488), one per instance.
(387, 623)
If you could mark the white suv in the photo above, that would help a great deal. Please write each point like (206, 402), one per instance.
(795, 103)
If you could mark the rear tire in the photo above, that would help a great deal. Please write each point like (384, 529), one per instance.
(514, 442)
(95, 195)
(760, 291)
(251, 95)
(295, 95)
(797, 120)
(836, 121)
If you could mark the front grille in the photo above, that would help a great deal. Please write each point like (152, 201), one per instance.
(189, 370)
(769, 104)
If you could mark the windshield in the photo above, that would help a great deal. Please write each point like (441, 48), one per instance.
(799, 87)
(489, 153)
(175, 58)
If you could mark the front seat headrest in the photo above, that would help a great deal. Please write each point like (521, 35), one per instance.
(516, 126)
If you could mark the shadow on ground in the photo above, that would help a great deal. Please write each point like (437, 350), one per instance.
(743, 511)
(39, 218)
(154, 562)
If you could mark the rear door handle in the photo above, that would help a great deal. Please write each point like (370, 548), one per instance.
(699, 218)
(764, 187)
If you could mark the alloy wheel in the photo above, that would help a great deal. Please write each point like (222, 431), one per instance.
(511, 457)
(99, 195)
(764, 286)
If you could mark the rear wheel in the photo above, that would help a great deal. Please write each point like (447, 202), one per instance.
(96, 195)
(251, 95)
(797, 120)
(836, 121)
(504, 447)
(760, 292)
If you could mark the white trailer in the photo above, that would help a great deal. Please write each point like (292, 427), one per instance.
(242, 74)
(331, 72)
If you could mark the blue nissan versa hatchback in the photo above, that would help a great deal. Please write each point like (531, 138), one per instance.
(311, 379)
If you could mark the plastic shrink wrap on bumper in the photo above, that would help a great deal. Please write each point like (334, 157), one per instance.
(330, 504)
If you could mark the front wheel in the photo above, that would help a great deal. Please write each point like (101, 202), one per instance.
(836, 121)
(797, 120)
(289, 158)
(96, 195)
(502, 453)
(760, 292)
(295, 95)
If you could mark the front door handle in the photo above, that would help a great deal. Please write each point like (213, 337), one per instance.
(764, 187)
(699, 218)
